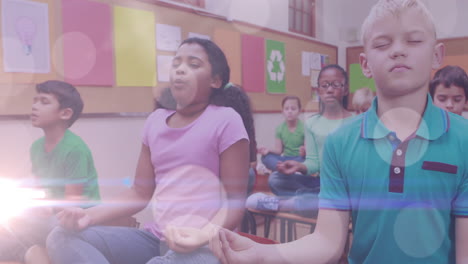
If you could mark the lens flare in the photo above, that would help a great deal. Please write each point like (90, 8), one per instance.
(14, 199)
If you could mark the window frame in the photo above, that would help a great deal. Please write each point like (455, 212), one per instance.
(196, 3)
(294, 9)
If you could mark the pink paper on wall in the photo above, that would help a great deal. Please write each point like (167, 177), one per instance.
(253, 63)
(87, 43)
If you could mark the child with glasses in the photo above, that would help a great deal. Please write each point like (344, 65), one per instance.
(301, 180)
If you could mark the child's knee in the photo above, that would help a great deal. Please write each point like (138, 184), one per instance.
(275, 179)
(57, 238)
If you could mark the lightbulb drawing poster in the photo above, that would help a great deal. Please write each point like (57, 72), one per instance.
(25, 36)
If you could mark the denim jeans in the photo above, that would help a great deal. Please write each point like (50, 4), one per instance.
(306, 203)
(287, 185)
(303, 188)
(201, 256)
(102, 245)
(117, 245)
(270, 160)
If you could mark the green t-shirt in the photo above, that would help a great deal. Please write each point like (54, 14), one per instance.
(70, 162)
(317, 129)
(292, 141)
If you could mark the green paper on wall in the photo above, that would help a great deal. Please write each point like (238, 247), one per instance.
(275, 67)
(358, 80)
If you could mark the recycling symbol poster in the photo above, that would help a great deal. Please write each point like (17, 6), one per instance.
(275, 67)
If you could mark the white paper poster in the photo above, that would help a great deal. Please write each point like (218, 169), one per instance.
(314, 74)
(164, 66)
(315, 61)
(168, 37)
(25, 36)
(305, 63)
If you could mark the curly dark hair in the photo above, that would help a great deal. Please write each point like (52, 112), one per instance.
(228, 95)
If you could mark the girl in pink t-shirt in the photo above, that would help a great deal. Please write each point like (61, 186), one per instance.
(194, 160)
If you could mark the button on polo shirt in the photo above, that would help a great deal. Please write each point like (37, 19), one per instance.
(403, 195)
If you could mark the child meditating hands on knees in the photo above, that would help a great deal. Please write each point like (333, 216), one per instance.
(399, 170)
(194, 158)
(296, 184)
(289, 136)
(62, 166)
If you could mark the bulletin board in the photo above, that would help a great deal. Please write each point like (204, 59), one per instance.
(456, 53)
(17, 89)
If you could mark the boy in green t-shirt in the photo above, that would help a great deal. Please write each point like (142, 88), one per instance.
(63, 167)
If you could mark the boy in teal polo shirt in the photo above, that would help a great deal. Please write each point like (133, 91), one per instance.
(399, 170)
(63, 167)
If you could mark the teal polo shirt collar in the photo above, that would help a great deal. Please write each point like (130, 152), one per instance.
(434, 124)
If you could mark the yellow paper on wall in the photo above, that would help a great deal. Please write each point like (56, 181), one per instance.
(135, 47)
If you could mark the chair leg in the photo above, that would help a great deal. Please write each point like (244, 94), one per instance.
(282, 230)
(252, 223)
(245, 223)
(291, 229)
(312, 228)
(267, 226)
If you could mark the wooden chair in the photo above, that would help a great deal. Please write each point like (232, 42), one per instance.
(288, 226)
(287, 223)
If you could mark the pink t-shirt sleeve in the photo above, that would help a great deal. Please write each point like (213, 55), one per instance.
(232, 130)
(148, 124)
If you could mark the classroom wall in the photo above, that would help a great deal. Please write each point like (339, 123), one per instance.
(343, 18)
(115, 142)
(338, 21)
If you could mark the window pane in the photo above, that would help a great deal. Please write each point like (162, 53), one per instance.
(307, 6)
(298, 24)
(298, 4)
(306, 24)
(291, 18)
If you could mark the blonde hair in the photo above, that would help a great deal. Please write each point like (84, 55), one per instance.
(361, 97)
(384, 8)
